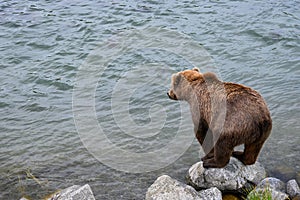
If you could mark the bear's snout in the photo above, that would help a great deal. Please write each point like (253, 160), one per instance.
(171, 95)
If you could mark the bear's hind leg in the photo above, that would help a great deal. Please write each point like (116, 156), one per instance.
(251, 152)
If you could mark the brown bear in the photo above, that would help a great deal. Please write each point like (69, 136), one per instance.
(224, 115)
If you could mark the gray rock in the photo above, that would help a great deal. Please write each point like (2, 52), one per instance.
(292, 188)
(211, 194)
(165, 188)
(272, 183)
(74, 192)
(232, 177)
(277, 195)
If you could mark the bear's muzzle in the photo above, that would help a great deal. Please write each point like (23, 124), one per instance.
(171, 95)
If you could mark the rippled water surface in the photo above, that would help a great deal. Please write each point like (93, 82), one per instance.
(44, 43)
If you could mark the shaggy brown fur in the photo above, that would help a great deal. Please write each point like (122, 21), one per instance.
(225, 115)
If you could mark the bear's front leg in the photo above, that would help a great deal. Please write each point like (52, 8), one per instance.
(200, 136)
(209, 155)
(221, 157)
(212, 163)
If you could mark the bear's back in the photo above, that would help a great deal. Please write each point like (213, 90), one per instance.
(245, 100)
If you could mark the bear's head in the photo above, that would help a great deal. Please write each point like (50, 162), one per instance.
(181, 83)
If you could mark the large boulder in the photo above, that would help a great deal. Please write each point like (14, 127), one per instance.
(165, 188)
(235, 175)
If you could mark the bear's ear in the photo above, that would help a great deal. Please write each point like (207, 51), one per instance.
(196, 69)
(210, 76)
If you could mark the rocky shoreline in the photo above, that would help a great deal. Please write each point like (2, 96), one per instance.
(245, 182)
(235, 181)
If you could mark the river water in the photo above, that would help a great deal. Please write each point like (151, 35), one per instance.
(45, 44)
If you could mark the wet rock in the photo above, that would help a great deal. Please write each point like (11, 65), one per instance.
(292, 188)
(232, 177)
(167, 188)
(74, 192)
